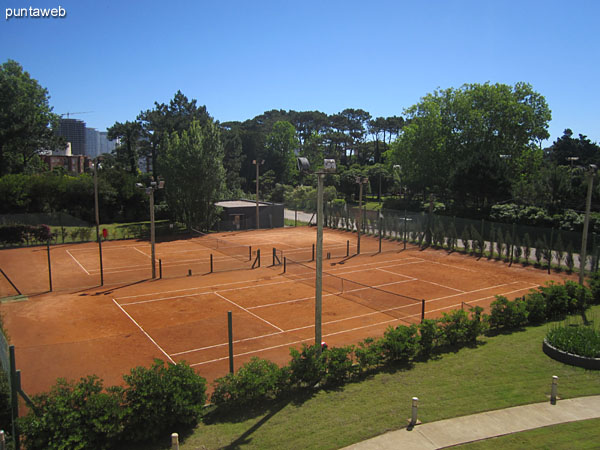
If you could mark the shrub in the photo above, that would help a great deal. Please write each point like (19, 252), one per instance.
(569, 259)
(527, 245)
(74, 415)
(257, 380)
(518, 250)
(535, 303)
(399, 344)
(594, 286)
(457, 328)
(507, 314)
(580, 297)
(369, 354)
(557, 300)
(429, 336)
(160, 399)
(465, 239)
(307, 367)
(339, 366)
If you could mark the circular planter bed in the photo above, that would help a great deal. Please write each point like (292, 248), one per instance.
(570, 358)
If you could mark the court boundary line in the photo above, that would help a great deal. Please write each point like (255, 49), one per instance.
(78, 263)
(143, 331)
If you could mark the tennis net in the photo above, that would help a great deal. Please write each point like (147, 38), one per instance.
(237, 256)
(402, 307)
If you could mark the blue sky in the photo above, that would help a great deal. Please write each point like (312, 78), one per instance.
(241, 58)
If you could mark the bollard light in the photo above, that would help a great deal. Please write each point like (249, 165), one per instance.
(554, 390)
(415, 406)
(174, 441)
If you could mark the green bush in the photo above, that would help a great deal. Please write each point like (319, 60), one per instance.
(399, 344)
(580, 297)
(369, 354)
(307, 366)
(75, 415)
(460, 329)
(339, 365)
(429, 337)
(557, 300)
(594, 286)
(507, 314)
(162, 399)
(255, 381)
(535, 303)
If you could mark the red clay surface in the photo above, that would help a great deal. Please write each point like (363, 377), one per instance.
(108, 330)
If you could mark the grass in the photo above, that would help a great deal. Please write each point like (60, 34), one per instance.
(502, 371)
(291, 223)
(580, 435)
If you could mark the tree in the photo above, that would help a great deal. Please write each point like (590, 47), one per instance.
(566, 146)
(192, 167)
(129, 134)
(26, 119)
(232, 160)
(159, 123)
(281, 145)
(465, 125)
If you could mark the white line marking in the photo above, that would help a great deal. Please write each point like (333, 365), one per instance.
(78, 263)
(138, 250)
(249, 312)
(144, 331)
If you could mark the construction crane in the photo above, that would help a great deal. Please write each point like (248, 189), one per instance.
(75, 113)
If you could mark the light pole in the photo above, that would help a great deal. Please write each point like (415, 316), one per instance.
(329, 167)
(150, 192)
(257, 163)
(571, 159)
(360, 181)
(96, 162)
(590, 172)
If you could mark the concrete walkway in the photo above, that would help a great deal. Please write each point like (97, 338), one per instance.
(460, 430)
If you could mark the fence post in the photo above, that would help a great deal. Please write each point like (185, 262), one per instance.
(405, 229)
(160, 268)
(313, 252)
(422, 310)
(550, 249)
(211, 263)
(284, 264)
(49, 265)
(347, 248)
(230, 336)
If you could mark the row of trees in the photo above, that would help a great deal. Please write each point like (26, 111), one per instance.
(467, 148)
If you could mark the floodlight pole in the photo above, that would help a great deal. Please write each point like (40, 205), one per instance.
(152, 232)
(360, 181)
(98, 239)
(319, 266)
(257, 163)
(588, 203)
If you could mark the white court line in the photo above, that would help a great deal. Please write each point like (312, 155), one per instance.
(293, 343)
(476, 300)
(441, 285)
(137, 249)
(78, 263)
(143, 331)
(482, 289)
(249, 312)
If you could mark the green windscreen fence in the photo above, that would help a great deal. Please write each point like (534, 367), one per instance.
(525, 243)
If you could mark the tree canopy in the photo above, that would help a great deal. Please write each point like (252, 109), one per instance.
(26, 119)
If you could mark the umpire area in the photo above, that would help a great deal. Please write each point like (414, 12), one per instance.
(107, 330)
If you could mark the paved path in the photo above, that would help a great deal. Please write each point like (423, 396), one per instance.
(485, 425)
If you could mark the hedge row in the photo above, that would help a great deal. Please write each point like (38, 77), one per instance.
(154, 402)
(18, 234)
(261, 380)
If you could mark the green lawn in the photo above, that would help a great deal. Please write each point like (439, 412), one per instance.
(505, 370)
(579, 435)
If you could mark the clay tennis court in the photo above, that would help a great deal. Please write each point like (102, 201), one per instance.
(110, 329)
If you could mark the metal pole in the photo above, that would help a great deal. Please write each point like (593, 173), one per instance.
(586, 223)
(319, 264)
(257, 212)
(152, 237)
(230, 334)
(405, 231)
(49, 266)
(98, 239)
(359, 217)
(415, 406)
